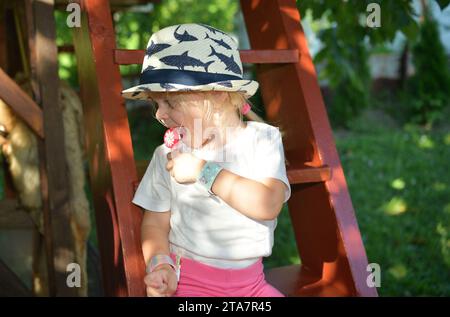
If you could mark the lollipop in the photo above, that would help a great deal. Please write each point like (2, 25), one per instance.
(173, 136)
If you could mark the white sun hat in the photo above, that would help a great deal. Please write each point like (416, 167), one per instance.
(191, 57)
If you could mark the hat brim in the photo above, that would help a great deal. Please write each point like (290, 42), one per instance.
(247, 87)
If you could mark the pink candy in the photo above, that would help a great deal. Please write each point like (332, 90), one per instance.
(173, 136)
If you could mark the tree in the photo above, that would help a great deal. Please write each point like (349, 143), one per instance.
(347, 41)
(430, 86)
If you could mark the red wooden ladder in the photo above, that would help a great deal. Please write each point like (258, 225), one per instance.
(333, 258)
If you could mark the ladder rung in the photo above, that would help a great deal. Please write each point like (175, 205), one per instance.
(128, 57)
(269, 56)
(304, 174)
(309, 174)
(114, 4)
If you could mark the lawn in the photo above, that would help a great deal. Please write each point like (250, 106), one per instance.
(399, 184)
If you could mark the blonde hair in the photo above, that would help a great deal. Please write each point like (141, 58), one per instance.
(208, 102)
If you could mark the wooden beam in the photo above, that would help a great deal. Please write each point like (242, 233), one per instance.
(22, 104)
(297, 175)
(115, 4)
(322, 215)
(128, 57)
(54, 180)
(110, 152)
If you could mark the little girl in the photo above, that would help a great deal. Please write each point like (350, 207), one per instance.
(211, 204)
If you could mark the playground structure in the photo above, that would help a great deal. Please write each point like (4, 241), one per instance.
(333, 258)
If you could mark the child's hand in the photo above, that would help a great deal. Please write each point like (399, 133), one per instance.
(184, 167)
(162, 282)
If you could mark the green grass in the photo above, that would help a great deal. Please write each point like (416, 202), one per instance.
(399, 184)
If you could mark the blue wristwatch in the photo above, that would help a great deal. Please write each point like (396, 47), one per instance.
(208, 175)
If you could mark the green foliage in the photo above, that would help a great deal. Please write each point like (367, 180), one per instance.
(346, 40)
(348, 78)
(133, 29)
(429, 88)
(67, 61)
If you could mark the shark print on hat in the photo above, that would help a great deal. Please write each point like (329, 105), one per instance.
(224, 83)
(183, 37)
(183, 60)
(220, 42)
(155, 48)
(191, 57)
(213, 30)
(228, 61)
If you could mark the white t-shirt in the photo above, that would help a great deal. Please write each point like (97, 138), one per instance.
(204, 227)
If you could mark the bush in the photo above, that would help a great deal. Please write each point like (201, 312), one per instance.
(429, 87)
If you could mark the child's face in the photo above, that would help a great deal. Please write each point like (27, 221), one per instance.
(172, 115)
(167, 112)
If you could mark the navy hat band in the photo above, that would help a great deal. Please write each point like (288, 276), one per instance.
(182, 77)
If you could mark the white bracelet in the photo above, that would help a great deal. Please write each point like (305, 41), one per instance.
(158, 260)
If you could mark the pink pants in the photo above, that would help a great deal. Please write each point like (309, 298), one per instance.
(201, 280)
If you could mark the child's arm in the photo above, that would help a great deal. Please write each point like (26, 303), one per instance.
(260, 200)
(162, 281)
(155, 234)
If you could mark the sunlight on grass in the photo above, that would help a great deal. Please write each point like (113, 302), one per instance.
(447, 139)
(294, 259)
(439, 186)
(398, 183)
(398, 271)
(447, 209)
(425, 142)
(395, 206)
(445, 242)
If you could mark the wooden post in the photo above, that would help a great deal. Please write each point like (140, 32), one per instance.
(55, 188)
(327, 234)
(110, 152)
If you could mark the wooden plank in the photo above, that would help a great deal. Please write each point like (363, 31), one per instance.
(55, 186)
(66, 48)
(110, 152)
(308, 174)
(295, 280)
(128, 57)
(116, 4)
(326, 231)
(22, 104)
(297, 175)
